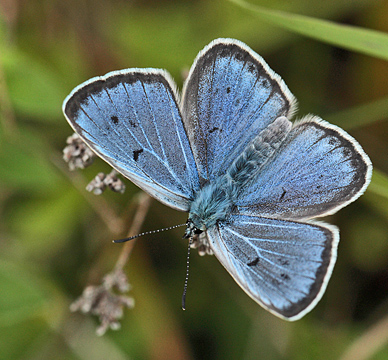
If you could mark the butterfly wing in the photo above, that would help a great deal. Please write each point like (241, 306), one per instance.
(230, 96)
(130, 118)
(317, 170)
(283, 265)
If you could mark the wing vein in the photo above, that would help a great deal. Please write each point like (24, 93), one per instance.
(188, 185)
(165, 160)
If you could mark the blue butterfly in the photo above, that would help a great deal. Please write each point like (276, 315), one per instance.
(228, 154)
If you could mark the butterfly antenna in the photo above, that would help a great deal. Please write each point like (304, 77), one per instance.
(148, 233)
(187, 274)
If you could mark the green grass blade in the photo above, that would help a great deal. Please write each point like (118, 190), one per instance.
(360, 115)
(365, 41)
(379, 184)
(377, 194)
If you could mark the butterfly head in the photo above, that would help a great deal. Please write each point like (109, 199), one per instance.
(191, 230)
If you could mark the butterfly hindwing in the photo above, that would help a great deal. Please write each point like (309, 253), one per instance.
(317, 170)
(230, 96)
(283, 265)
(131, 119)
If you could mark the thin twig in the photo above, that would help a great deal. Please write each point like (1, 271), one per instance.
(144, 202)
(107, 300)
(369, 343)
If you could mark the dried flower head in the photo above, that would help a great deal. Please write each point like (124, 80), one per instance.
(102, 181)
(103, 302)
(201, 243)
(77, 154)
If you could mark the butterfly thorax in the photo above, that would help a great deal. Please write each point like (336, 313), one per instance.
(212, 203)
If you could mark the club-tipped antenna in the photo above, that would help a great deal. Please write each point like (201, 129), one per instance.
(148, 233)
(187, 274)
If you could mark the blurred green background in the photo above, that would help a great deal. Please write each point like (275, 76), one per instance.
(55, 238)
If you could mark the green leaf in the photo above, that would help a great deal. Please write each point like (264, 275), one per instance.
(361, 115)
(365, 41)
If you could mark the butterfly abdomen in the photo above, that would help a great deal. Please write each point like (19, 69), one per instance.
(262, 147)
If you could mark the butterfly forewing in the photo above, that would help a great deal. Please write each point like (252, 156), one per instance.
(131, 119)
(229, 97)
(318, 169)
(283, 265)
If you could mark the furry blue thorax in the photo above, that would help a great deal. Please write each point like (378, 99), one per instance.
(215, 200)
(212, 203)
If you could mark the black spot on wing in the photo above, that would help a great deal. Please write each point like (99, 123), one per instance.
(284, 276)
(333, 141)
(214, 129)
(115, 119)
(136, 154)
(283, 262)
(284, 193)
(239, 56)
(253, 262)
(251, 68)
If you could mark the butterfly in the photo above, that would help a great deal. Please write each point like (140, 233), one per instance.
(227, 153)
